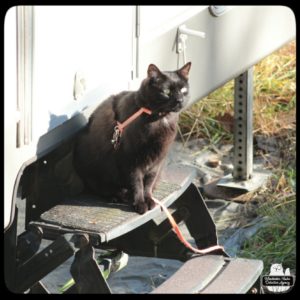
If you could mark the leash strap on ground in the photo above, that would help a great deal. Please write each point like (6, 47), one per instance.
(180, 235)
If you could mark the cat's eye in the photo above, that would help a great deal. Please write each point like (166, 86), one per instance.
(184, 90)
(166, 92)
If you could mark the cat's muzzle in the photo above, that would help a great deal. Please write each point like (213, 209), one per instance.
(177, 107)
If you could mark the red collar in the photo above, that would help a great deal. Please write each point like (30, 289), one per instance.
(119, 128)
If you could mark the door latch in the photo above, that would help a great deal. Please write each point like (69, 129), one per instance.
(182, 36)
(79, 85)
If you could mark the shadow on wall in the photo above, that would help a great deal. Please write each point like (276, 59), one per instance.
(56, 120)
(60, 128)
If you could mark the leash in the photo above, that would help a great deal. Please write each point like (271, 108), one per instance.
(180, 235)
(119, 128)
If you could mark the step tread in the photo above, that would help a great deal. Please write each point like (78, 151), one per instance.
(213, 274)
(193, 276)
(237, 278)
(89, 213)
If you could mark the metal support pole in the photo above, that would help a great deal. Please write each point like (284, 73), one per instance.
(243, 129)
(244, 176)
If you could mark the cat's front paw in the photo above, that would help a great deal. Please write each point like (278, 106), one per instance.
(150, 202)
(141, 207)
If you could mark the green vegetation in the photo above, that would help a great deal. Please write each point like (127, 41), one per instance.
(276, 241)
(275, 117)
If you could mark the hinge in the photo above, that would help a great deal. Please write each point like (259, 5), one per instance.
(137, 24)
(136, 43)
(25, 37)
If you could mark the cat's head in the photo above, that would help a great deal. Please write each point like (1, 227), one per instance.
(165, 92)
(276, 269)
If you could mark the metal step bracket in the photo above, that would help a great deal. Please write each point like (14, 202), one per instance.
(244, 177)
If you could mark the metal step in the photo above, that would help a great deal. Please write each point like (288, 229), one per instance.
(106, 221)
(213, 274)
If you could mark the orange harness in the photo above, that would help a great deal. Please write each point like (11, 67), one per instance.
(119, 128)
(142, 110)
(180, 235)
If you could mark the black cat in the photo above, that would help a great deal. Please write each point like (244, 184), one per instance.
(124, 164)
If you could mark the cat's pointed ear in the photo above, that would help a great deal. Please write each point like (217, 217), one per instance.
(153, 71)
(184, 71)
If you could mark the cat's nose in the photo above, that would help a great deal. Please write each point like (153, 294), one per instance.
(179, 100)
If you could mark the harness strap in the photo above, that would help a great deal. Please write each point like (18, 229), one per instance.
(119, 128)
(142, 110)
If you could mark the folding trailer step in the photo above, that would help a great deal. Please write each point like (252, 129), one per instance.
(213, 274)
(237, 278)
(193, 276)
(89, 214)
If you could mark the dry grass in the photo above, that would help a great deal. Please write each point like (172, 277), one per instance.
(274, 102)
(275, 92)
